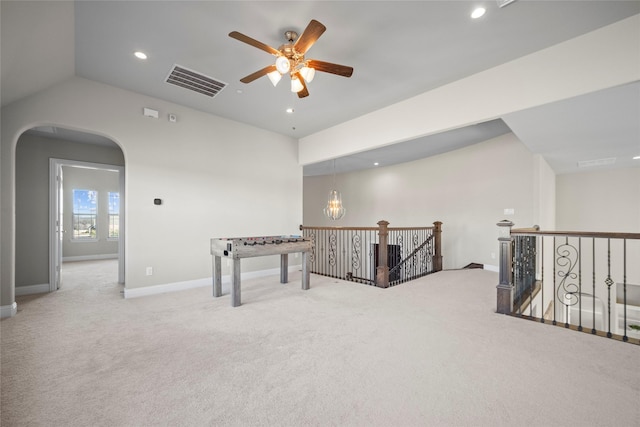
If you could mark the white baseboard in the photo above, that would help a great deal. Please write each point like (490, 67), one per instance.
(492, 268)
(32, 289)
(199, 283)
(89, 257)
(8, 310)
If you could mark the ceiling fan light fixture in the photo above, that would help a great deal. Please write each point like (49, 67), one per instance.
(307, 73)
(282, 64)
(296, 84)
(275, 77)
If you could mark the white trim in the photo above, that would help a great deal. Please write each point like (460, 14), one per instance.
(199, 283)
(33, 289)
(168, 287)
(492, 268)
(8, 310)
(89, 257)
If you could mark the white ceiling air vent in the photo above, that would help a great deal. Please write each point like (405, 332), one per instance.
(597, 162)
(197, 82)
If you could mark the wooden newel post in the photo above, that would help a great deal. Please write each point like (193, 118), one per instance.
(437, 237)
(505, 287)
(382, 270)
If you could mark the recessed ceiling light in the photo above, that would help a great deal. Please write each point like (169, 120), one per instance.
(478, 12)
(239, 91)
(289, 110)
(636, 158)
(140, 55)
(376, 164)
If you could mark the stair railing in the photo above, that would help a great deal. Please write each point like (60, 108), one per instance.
(585, 281)
(382, 256)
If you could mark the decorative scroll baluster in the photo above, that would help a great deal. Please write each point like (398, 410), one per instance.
(567, 257)
(355, 259)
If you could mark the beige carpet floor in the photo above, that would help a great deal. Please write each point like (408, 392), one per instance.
(431, 352)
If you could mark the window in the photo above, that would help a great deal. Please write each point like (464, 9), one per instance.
(114, 215)
(85, 209)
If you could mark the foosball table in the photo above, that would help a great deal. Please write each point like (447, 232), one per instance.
(247, 247)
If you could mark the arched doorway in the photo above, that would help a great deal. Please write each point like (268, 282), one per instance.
(42, 153)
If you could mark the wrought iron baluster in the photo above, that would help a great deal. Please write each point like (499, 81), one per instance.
(625, 338)
(355, 260)
(608, 281)
(518, 277)
(532, 272)
(542, 283)
(593, 299)
(554, 285)
(567, 257)
(580, 284)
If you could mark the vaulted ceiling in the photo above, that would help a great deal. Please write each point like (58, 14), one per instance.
(397, 48)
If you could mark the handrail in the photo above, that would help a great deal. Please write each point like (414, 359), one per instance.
(596, 234)
(307, 227)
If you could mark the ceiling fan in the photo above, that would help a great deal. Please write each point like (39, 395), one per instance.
(290, 59)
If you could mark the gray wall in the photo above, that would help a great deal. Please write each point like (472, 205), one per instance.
(32, 198)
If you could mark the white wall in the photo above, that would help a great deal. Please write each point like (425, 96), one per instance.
(599, 201)
(584, 64)
(208, 171)
(544, 195)
(466, 189)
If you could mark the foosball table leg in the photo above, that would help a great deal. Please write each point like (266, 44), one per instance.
(217, 277)
(235, 282)
(284, 268)
(306, 272)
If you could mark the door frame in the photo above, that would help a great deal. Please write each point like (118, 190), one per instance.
(55, 205)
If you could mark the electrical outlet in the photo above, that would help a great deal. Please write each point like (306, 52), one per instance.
(493, 255)
(509, 211)
(149, 271)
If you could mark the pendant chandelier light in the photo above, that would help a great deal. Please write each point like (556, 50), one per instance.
(334, 209)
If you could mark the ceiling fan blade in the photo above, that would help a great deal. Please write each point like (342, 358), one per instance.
(304, 92)
(309, 36)
(328, 67)
(251, 77)
(253, 42)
